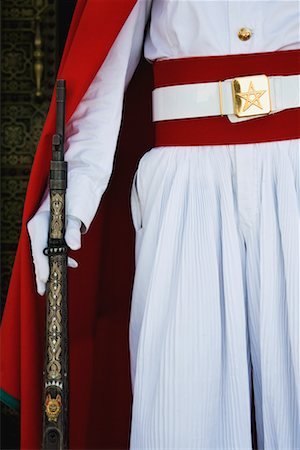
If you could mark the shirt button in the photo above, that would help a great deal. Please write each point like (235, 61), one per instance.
(244, 34)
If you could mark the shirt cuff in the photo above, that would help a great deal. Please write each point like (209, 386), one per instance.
(82, 201)
(78, 203)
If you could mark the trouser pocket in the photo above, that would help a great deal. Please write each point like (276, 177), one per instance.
(136, 210)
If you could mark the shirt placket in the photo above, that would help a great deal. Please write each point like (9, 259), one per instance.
(242, 26)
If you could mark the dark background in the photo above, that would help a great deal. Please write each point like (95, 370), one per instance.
(22, 116)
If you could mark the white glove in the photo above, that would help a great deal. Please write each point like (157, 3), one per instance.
(38, 228)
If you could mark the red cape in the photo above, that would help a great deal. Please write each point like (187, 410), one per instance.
(100, 289)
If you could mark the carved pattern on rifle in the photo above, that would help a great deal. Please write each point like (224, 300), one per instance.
(57, 209)
(53, 407)
(54, 369)
(55, 384)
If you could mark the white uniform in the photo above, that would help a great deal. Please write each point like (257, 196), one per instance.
(216, 293)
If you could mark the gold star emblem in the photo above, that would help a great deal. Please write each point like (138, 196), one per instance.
(251, 97)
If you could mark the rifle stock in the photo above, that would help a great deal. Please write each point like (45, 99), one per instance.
(55, 390)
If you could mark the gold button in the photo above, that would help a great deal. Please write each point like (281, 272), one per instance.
(244, 34)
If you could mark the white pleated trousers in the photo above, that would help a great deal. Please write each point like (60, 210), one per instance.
(216, 297)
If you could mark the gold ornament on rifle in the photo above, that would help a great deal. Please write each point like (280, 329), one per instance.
(54, 322)
(57, 206)
(53, 407)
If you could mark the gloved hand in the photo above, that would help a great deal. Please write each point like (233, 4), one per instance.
(38, 228)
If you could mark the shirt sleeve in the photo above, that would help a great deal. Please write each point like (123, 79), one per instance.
(92, 131)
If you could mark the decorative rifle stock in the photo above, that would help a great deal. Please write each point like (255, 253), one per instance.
(55, 399)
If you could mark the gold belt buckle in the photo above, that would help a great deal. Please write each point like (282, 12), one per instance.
(251, 96)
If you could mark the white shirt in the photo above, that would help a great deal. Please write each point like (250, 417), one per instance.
(202, 28)
(178, 28)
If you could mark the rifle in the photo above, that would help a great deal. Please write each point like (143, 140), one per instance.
(55, 389)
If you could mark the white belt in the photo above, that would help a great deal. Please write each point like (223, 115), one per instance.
(240, 98)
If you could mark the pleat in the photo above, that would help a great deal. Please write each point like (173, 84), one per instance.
(188, 332)
(279, 294)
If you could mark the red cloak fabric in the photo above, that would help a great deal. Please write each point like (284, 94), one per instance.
(100, 289)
